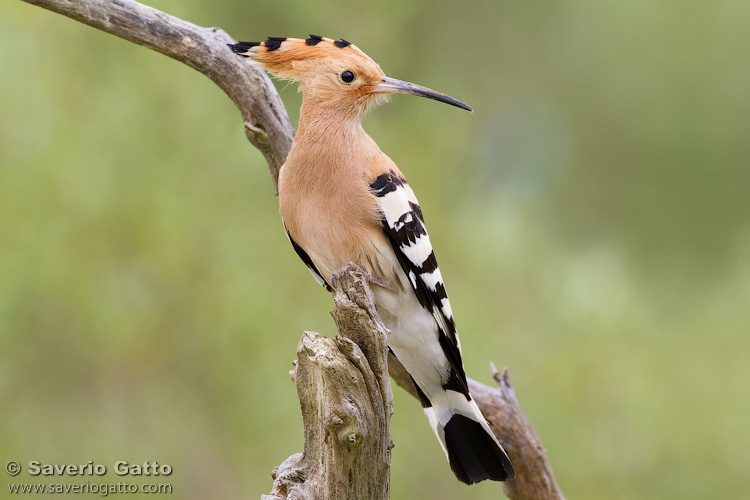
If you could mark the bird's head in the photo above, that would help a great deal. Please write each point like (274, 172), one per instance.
(332, 73)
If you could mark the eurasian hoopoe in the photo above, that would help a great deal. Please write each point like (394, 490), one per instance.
(343, 200)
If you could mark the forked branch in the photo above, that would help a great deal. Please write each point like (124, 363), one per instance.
(360, 430)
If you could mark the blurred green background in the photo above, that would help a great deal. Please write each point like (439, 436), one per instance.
(591, 219)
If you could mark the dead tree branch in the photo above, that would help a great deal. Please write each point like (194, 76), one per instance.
(346, 401)
(341, 384)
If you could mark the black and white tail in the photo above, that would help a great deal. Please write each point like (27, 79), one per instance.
(473, 451)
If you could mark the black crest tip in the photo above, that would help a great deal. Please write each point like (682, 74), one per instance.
(242, 47)
(313, 40)
(273, 42)
(342, 43)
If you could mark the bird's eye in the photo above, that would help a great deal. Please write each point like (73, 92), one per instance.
(347, 77)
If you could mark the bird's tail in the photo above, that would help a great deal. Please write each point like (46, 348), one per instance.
(473, 451)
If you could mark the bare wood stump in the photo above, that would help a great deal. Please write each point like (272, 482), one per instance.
(345, 396)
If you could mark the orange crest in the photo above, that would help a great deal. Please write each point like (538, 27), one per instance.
(296, 58)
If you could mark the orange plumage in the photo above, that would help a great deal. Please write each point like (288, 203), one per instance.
(343, 200)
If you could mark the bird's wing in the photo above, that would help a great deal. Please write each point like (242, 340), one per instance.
(403, 226)
(308, 262)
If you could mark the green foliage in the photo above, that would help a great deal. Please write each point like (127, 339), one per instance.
(591, 219)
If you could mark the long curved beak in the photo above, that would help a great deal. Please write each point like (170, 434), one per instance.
(393, 86)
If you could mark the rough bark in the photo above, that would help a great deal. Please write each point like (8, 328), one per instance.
(344, 394)
(346, 401)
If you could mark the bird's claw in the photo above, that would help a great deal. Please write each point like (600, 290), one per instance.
(352, 267)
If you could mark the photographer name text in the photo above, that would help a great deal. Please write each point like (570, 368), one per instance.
(121, 468)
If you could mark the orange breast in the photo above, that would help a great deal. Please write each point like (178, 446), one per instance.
(332, 215)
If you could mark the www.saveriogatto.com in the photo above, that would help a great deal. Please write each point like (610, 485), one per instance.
(69, 478)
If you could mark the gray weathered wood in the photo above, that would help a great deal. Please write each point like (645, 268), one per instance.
(345, 395)
(268, 127)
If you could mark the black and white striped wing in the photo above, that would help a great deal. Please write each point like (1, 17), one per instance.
(403, 225)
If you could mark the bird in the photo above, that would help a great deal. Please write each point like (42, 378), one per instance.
(342, 200)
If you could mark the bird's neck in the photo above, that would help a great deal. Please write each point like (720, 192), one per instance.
(330, 137)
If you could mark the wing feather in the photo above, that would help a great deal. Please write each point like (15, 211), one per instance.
(403, 226)
(309, 263)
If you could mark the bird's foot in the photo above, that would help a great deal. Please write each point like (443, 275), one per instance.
(351, 266)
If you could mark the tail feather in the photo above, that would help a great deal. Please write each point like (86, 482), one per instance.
(473, 451)
(475, 455)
